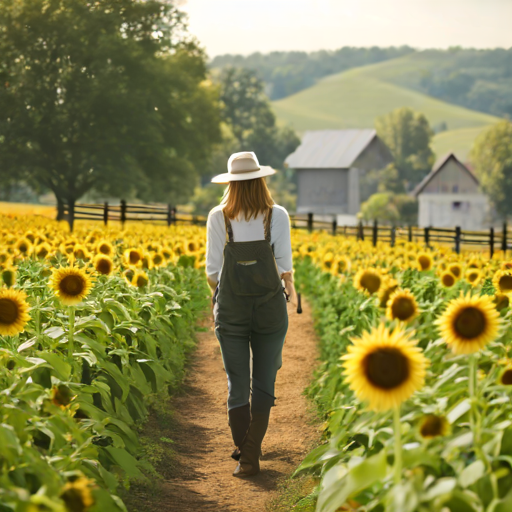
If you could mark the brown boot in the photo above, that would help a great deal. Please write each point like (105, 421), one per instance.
(250, 450)
(239, 420)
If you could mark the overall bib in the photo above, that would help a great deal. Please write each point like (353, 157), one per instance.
(250, 315)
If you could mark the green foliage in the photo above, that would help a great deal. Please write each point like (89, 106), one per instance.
(408, 135)
(492, 158)
(286, 73)
(390, 208)
(107, 96)
(129, 346)
(444, 473)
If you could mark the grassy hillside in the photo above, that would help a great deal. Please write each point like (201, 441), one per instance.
(353, 99)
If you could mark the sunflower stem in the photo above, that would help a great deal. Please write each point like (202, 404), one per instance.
(71, 333)
(472, 394)
(398, 445)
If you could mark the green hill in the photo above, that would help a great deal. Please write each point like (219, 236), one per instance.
(354, 98)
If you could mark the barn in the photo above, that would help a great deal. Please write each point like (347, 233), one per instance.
(329, 165)
(450, 196)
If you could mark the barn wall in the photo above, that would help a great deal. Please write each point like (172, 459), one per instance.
(469, 211)
(452, 179)
(322, 191)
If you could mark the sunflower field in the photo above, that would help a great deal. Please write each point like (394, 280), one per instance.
(416, 376)
(94, 327)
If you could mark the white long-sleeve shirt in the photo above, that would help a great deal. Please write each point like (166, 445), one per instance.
(247, 231)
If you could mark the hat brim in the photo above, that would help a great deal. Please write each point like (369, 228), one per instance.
(263, 171)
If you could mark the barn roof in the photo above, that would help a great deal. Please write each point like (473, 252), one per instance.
(438, 167)
(330, 149)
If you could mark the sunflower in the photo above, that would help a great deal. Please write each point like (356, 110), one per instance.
(501, 301)
(43, 250)
(505, 378)
(448, 279)
(4, 256)
(473, 276)
(328, 260)
(384, 368)
(132, 256)
(128, 275)
(157, 259)
(140, 279)
(168, 253)
(386, 290)
(402, 306)
(502, 281)
(24, 246)
(103, 264)
(455, 269)
(506, 265)
(469, 323)
(81, 253)
(77, 495)
(343, 264)
(433, 426)
(62, 396)
(9, 276)
(13, 312)
(71, 284)
(368, 280)
(425, 261)
(105, 247)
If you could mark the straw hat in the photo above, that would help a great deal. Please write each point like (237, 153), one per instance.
(243, 166)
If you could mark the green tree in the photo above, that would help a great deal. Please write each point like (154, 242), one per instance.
(105, 95)
(492, 159)
(408, 136)
(387, 207)
(247, 110)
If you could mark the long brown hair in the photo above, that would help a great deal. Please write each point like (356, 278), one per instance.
(247, 197)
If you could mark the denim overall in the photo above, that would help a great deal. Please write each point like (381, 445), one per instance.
(250, 315)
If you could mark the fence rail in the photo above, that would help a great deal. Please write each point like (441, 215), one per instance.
(491, 239)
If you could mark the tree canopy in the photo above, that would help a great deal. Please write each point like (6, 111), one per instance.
(107, 95)
(492, 159)
(408, 136)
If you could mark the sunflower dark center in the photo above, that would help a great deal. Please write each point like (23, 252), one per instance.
(157, 259)
(506, 283)
(472, 276)
(141, 281)
(134, 257)
(386, 295)
(502, 303)
(72, 285)
(386, 368)
(370, 282)
(402, 308)
(23, 247)
(8, 311)
(104, 249)
(456, 271)
(432, 426)
(424, 262)
(448, 280)
(470, 323)
(103, 266)
(506, 378)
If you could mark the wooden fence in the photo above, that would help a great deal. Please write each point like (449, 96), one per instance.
(491, 240)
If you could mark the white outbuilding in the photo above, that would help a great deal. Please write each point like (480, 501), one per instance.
(450, 196)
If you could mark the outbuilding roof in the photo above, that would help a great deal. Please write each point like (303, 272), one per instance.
(438, 167)
(330, 149)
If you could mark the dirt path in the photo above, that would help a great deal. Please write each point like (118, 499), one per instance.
(201, 479)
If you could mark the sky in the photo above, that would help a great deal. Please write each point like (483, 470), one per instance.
(247, 26)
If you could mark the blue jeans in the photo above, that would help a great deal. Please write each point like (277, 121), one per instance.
(236, 345)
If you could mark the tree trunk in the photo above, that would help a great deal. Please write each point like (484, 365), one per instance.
(71, 214)
(60, 208)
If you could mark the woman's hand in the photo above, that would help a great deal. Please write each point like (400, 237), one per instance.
(289, 287)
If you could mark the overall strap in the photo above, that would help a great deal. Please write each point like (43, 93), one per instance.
(267, 222)
(229, 228)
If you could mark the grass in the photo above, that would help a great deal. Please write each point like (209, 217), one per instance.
(354, 98)
(297, 494)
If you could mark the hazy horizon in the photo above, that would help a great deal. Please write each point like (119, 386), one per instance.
(248, 26)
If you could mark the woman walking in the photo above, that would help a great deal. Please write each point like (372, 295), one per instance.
(248, 255)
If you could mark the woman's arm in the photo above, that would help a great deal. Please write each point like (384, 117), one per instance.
(215, 238)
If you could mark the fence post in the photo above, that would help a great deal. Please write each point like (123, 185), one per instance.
(194, 219)
(504, 242)
(491, 242)
(410, 233)
(123, 212)
(169, 215)
(393, 236)
(105, 213)
(360, 231)
(427, 237)
(375, 233)
(334, 226)
(310, 222)
(457, 239)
